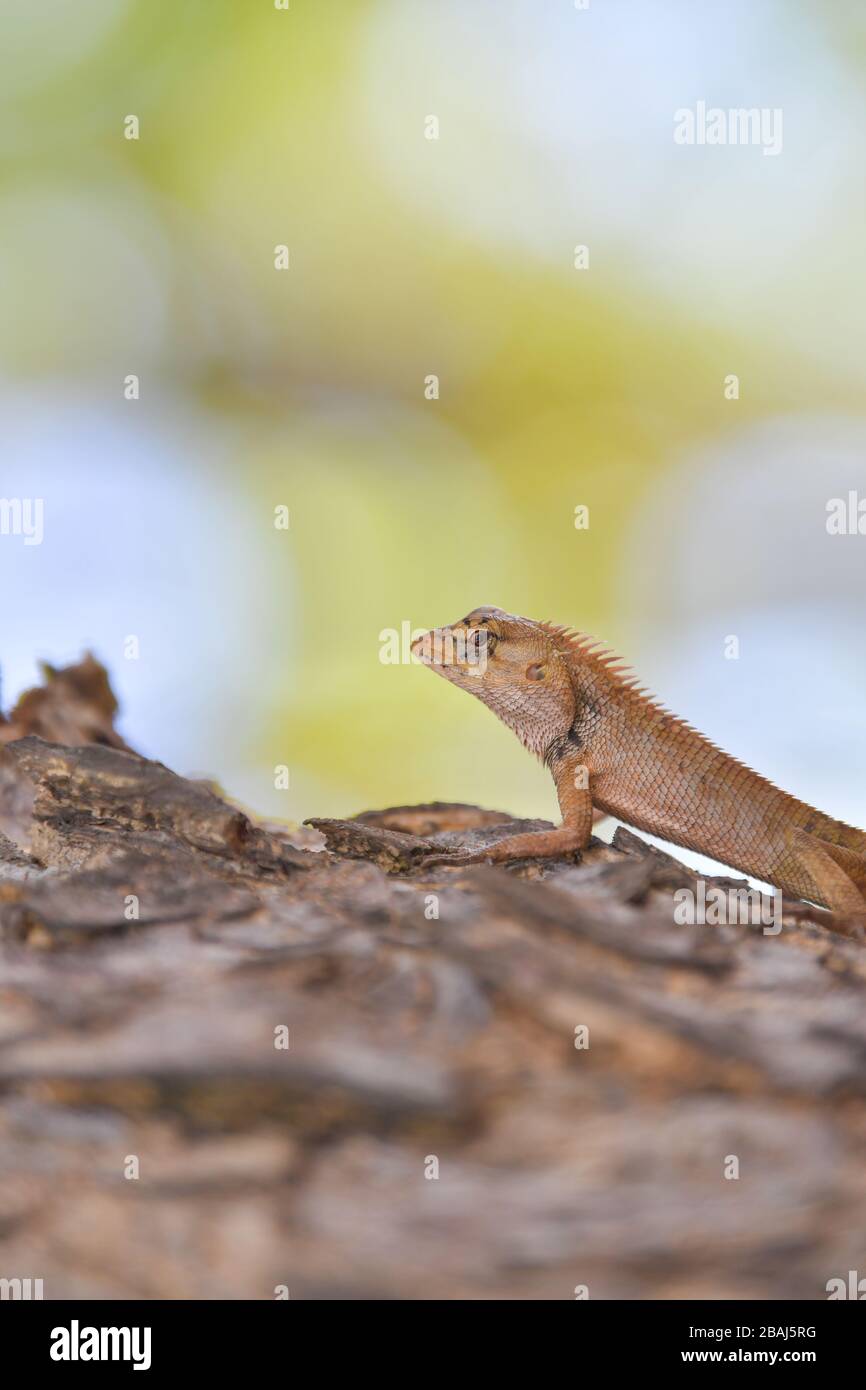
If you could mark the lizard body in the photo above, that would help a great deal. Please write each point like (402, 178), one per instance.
(612, 748)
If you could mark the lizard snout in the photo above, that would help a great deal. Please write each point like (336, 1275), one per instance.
(430, 646)
(441, 646)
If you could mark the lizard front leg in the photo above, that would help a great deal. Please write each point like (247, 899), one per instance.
(575, 802)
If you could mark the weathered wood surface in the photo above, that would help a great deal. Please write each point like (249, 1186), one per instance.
(411, 1037)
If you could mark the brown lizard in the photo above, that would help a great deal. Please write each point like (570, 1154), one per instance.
(612, 749)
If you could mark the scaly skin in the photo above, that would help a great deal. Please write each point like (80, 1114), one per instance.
(613, 750)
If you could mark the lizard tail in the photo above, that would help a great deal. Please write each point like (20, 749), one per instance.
(838, 875)
(854, 864)
(836, 832)
(834, 855)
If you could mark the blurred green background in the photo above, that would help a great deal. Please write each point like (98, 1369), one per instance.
(411, 257)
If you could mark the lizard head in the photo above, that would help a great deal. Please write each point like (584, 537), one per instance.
(511, 664)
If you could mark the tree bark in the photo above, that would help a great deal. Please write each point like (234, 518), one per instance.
(497, 1083)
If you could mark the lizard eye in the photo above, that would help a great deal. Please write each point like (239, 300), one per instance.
(536, 672)
(480, 642)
